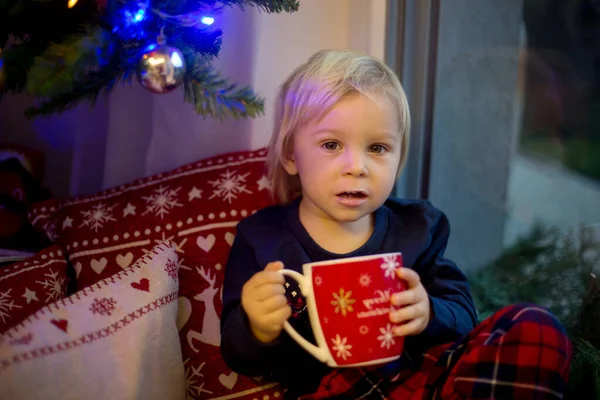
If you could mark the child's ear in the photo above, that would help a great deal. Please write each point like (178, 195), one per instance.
(289, 164)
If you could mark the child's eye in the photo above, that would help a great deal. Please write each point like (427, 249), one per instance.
(331, 146)
(377, 148)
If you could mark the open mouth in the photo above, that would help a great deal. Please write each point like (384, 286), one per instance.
(357, 194)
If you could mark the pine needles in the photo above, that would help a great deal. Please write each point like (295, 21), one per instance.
(63, 56)
(555, 270)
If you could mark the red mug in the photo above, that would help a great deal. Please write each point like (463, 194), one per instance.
(348, 304)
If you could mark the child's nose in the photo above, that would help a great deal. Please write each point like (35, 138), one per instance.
(355, 164)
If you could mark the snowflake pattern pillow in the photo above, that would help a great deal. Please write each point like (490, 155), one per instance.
(196, 206)
(116, 339)
(105, 232)
(28, 285)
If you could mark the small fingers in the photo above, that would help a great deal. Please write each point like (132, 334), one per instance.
(404, 314)
(274, 266)
(266, 291)
(405, 298)
(410, 276)
(273, 303)
(266, 277)
(410, 328)
(275, 319)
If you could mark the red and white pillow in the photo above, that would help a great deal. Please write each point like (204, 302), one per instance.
(197, 207)
(116, 339)
(103, 233)
(28, 285)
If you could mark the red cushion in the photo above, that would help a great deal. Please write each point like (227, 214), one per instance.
(198, 207)
(28, 285)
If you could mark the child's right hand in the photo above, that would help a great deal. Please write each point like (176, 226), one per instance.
(264, 301)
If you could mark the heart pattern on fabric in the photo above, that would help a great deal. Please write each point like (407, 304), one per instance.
(124, 260)
(60, 324)
(206, 243)
(77, 267)
(203, 230)
(98, 265)
(228, 381)
(143, 284)
(229, 238)
(184, 310)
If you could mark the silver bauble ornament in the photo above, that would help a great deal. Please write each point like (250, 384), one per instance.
(161, 68)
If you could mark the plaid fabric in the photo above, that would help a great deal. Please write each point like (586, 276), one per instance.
(521, 352)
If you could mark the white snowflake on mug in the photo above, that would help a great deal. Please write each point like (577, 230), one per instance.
(229, 186)
(341, 346)
(53, 286)
(365, 280)
(389, 265)
(387, 336)
(318, 280)
(99, 215)
(162, 201)
(363, 329)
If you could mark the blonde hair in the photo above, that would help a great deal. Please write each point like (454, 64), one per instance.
(312, 90)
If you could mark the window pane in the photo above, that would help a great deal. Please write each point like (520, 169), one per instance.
(516, 130)
(515, 157)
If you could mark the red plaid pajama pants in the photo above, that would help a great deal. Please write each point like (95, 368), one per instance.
(520, 352)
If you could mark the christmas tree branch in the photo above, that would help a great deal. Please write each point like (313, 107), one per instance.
(193, 6)
(269, 6)
(206, 43)
(63, 54)
(213, 96)
(88, 91)
(16, 62)
(63, 65)
(61, 90)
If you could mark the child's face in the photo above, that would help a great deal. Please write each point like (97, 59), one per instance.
(347, 161)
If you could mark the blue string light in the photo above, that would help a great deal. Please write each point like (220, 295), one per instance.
(139, 16)
(135, 17)
(206, 20)
(129, 22)
(133, 21)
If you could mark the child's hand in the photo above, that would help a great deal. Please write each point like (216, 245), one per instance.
(264, 301)
(415, 312)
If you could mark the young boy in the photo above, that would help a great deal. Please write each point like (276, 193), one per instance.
(340, 141)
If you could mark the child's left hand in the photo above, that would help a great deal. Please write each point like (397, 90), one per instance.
(415, 312)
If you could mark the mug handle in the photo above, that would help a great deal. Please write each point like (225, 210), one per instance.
(319, 353)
